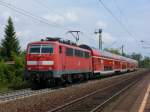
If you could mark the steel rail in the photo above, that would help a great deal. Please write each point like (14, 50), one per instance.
(96, 109)
(22, 94)
(61, 107)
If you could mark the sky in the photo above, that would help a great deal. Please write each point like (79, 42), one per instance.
(59, 16)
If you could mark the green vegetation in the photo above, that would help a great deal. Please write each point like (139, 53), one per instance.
(112, 50)
(10, 43)
(11, 75)
(144, 62)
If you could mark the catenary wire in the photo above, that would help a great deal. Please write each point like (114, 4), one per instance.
(117, 20)
(28, 14)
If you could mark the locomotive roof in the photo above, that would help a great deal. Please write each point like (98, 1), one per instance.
(55, 39)
(60, 43)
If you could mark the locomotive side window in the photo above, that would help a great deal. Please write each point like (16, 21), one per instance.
(47, 49)
(60, 49)
(69, 51)
(87, 55)
(35, 48)
(82, 54)
(78, 53)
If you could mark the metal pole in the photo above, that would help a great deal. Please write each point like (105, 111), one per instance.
(99, 32)
(99, 42)
(122, 49)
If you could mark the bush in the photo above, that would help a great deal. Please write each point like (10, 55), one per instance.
(18, 83)
(5, 73)
(12, 75)
(2, 75)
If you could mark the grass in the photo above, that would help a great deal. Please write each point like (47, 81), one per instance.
(4, 87)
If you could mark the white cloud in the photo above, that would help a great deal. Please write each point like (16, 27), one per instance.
(54, 18)
(131, 40)
(6, 15)
(23, 33)
(101, 24)
(61, 19)
(106, 38)
(71, 16)
(24, 37)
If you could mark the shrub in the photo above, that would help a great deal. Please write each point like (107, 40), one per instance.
(12, 75)
(18, 83)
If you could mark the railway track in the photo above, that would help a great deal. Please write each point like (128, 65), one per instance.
(98, 99)
(23, 93)
(18, 94)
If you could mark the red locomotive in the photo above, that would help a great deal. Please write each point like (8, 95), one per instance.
(59, 60)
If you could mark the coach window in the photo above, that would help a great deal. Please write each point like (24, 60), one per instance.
(69, 52)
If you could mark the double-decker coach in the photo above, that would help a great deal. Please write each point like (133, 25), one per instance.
(105, 63)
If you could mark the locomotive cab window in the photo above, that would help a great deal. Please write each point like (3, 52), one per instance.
(47, 49)
(35, 48)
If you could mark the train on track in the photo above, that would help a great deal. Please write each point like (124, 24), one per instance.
(54, 59)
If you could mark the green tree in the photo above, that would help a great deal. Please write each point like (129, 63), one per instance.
(10, 43)
(145, 62)
(136, 56)
(114, 51)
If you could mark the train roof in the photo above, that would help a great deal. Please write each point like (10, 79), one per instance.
(105, 54)
(95, 52)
